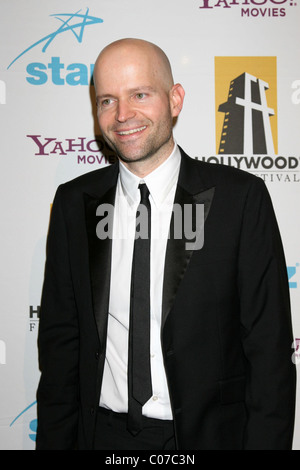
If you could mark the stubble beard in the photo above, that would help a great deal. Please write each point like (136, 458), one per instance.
(154, 146)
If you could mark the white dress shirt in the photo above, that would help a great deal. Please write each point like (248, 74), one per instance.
(162, 184)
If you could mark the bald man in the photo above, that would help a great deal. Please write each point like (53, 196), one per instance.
(136, 94)
(158, 341)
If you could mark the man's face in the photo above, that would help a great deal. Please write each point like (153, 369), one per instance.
(135, 106)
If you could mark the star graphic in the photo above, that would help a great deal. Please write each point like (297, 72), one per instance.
(77, 28)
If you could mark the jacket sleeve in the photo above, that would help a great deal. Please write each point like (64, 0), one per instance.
(266, 326)
(57, 395)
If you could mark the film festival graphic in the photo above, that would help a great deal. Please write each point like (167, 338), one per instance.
(247, 128)
(247, 119)
(246, 116)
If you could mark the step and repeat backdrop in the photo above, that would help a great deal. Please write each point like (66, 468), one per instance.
(232, 56)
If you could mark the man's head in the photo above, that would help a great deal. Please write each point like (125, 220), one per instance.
(137, 102)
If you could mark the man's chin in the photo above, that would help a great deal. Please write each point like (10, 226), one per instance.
(128, 155)
(133, 155)
(133, 158)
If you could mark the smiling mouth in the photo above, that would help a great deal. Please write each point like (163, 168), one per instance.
(132, 131)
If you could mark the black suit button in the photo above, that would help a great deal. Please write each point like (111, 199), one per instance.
(92, 411)
(97, 355)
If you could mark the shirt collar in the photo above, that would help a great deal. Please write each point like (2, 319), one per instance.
(160, 181)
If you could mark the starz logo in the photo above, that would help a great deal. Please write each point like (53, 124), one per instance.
(70, 22)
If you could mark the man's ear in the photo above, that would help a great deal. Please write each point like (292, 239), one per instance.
(177, 94)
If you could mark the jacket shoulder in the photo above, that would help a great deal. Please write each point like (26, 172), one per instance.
(94, 183)
(217, 174)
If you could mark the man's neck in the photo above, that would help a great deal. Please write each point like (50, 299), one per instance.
(145, 167)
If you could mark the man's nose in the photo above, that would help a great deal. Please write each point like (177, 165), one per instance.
(124, 111)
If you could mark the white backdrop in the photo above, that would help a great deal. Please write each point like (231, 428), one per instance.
(48, 135)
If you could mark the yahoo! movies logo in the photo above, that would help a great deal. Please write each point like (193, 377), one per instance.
(72, 74)
(251, 8)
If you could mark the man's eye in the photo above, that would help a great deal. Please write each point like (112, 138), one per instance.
(140, 96)
(106, 102)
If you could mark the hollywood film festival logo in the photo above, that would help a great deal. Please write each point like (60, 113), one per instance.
(246, 119)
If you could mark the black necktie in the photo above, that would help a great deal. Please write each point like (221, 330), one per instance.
(139, 373)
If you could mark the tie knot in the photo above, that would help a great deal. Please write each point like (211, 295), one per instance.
(144, 192)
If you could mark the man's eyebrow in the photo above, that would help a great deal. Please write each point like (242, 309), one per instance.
(130, 91)
(140, 88)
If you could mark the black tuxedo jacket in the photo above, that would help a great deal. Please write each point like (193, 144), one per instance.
(226, 325)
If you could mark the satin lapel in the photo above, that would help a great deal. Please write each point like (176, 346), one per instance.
(99, 255)
(179, 253)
